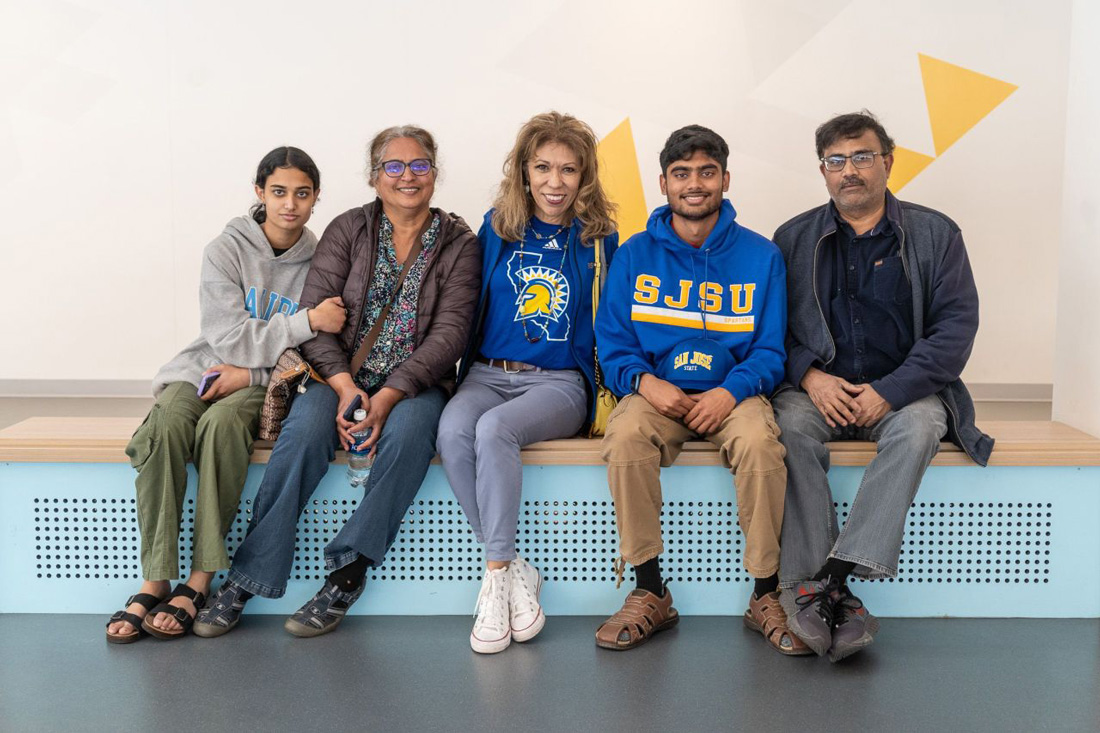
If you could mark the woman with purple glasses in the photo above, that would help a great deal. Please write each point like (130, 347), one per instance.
(528, 373)
(409, 276)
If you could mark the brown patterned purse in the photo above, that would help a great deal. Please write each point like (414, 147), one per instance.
(288, 379)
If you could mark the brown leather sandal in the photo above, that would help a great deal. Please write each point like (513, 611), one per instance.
(182, 617)
(642, 615)
(768, 617)
(147, 602)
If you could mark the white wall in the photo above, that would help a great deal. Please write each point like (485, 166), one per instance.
(132, 130)
(1077, 366)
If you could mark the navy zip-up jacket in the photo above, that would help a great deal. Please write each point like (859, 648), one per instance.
(945, 309)
(580, 260)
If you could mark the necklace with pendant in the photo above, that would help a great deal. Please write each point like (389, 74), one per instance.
(544, 237)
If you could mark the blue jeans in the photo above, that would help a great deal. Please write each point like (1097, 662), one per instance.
(300, 459)
(907, 440)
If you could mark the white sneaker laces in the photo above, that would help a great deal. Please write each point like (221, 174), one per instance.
(491, 609)
(523, 595)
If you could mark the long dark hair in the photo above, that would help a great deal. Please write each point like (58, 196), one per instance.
(284, 157)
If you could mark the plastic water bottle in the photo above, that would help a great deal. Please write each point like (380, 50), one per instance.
(359, 461)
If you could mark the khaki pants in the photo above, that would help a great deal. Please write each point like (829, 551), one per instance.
(218, 436)
(640, 440)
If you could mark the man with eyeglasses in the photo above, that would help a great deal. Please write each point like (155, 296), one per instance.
(882, 314)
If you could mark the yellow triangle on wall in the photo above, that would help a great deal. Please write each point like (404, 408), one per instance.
(907, 164)
(958, 99)
(622, 180)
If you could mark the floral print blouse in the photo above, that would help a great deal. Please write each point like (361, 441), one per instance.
(397, 339)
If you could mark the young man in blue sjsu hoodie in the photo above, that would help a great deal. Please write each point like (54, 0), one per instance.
(690, 334)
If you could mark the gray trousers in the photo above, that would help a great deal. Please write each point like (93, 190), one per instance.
(907, 441)
(482, 429)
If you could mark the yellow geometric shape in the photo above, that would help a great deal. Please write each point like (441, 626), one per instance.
(958, 99)
(622, 179)
(907, 164)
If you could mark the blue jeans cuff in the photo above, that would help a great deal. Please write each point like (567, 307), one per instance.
(866, 568)
(336, 562)
(257, 589)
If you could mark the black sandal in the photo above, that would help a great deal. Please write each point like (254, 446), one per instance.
(182, 617)
(147, 602)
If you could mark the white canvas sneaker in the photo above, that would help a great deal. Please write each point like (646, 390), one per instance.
(491, 632)
(525, 614)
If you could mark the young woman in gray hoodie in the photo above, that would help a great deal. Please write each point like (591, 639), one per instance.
(209, 396)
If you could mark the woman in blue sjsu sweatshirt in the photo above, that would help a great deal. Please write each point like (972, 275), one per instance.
(528, 373)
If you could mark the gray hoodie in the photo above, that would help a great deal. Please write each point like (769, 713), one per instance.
(249, 303)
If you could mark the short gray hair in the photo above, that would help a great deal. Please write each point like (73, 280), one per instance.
(382, 140)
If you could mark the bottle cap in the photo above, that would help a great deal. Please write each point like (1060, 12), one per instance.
(360, 415)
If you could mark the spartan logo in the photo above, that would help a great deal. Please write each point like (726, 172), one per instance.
(542, 295)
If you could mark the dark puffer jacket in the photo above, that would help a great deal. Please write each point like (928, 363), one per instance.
(344, 264)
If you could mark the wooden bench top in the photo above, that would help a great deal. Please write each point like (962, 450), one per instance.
(103, 440)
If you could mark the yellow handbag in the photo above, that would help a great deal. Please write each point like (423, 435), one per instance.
(605, 400)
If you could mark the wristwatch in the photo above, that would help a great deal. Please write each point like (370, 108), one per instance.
(636, 382)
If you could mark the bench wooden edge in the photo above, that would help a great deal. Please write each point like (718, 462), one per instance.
(103, 440)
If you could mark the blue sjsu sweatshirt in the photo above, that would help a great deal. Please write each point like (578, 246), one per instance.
(660, 289)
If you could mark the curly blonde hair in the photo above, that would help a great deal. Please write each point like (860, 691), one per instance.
(514, 206)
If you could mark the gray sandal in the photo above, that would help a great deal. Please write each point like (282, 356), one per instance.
(324, 612)
(223, 612)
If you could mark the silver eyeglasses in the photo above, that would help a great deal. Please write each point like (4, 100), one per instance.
(863, 159)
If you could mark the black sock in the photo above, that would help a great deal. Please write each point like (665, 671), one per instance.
(350, 577)
(766, 585)
(648, 576)
(837, 569)
(243, 595)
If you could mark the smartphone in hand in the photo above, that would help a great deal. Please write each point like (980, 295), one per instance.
(207, 382)
(349, 414)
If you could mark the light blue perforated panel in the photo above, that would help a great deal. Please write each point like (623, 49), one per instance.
(980, 542)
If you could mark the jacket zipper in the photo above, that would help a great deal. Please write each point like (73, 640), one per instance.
(817, 297)
(904, 258)
(576, 265)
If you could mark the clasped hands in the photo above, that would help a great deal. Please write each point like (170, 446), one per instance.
(842, 403)
(703, 412)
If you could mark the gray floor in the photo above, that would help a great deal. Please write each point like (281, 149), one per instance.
(418, 674)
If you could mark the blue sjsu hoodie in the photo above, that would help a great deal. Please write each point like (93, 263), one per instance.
(659, 286)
